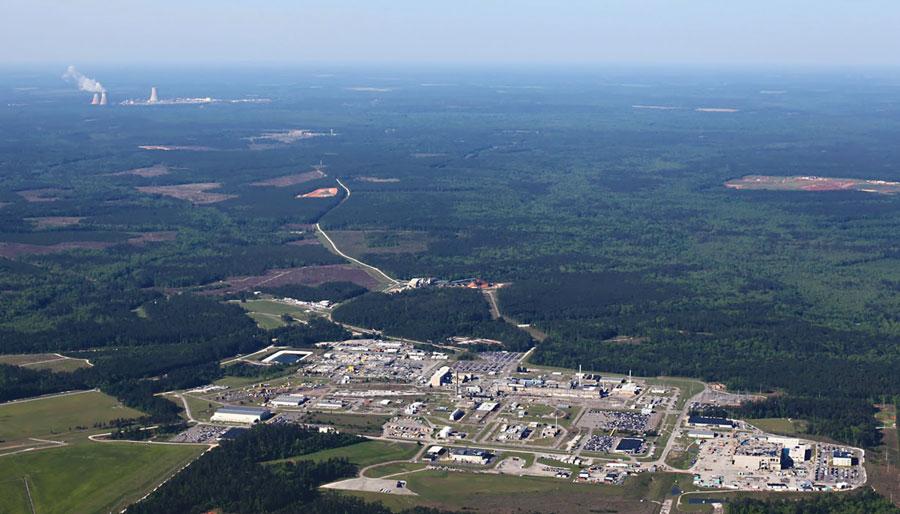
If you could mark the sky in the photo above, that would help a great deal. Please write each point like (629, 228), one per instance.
(436, 32)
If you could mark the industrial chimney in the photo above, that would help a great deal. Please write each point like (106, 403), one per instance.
(96, 99)
(103, 98)
(153, 96)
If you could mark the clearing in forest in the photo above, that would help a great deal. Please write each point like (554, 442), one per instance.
(324, 192)
(197, 194)
(812, 183)
(157, 170)
(290, 180)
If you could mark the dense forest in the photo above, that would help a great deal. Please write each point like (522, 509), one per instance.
(431, 315)
(863, 502)
(236, 478)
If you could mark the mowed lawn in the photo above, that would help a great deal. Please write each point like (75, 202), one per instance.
(365, 453)
(60, 414)
(88, 476)
(267, 313)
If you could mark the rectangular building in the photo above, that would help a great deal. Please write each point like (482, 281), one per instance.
(240, 414)
(470, 455)
(440, 377)
(288, 400)
(704, 421)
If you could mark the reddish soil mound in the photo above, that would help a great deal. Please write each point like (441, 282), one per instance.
(325, 192)
(308, 276)
(290, 180)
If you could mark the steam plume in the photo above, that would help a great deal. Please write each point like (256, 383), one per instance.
(84, 83)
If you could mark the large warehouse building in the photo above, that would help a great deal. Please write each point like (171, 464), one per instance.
(237, 414)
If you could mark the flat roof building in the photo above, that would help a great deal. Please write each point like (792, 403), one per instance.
(630, 445)
(704, 421)
(441, 376)
(240, 414)
(288, 400)
(841, 458)
(470, 455)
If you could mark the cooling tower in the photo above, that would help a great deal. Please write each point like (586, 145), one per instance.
(103, 98)
(153, 96)
(96, 99)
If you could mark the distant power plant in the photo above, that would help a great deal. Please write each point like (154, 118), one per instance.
(96, 99)
(103, 100)
(154, 97)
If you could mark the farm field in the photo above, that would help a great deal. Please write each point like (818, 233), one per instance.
(88, 476)
(60, 415)
(783, 426)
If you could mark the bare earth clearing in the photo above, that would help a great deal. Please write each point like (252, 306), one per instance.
(811, 183)
(290, 180)
(12, 250)
(325, 192)
(157, 170)
(47, 194)
(308, 276)
(377, 180)
(197, 194)
(54, 221)
(153, 237)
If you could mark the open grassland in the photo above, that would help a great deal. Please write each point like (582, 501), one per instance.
(268, 313)
(87, 477)
(783, 426)
(504, 493)
(355, 423)
(393, 469)
(365, 453)
(60, 414)
(64, 365)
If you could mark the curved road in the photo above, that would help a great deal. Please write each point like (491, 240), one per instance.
(337, 250)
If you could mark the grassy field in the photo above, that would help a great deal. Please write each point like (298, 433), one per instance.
(200, 409)
(505, 493)
(87, 477)
(781, 426)
(356, 423)
(365, 453)
(684, 458)
(60, 365)
(267, 313)
(60, 414)
(391, 469)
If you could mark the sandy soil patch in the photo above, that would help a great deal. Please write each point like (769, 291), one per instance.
(197, 193)
(655, 107)
(307, 275)
(46, 194)
(54, 221)
(378, 180)
(12, 250)
(323, 192)
(172, 148)
(285, 136)
(157, 170)
(290, 180)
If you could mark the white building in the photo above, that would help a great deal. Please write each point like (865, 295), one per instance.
(238, 414)
(470, 455)
(440, 376)
(288, 400)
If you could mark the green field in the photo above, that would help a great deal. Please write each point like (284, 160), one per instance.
(267, 313)
(781, 426)
(60, 414)
(505, 493)
(87, 477)
(365, 453)
(366, 424)
(60, 365)
(394, 468)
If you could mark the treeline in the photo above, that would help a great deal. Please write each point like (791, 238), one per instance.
(863, 502)
(234, 479)
(842, 419)
(431, 315)
(18, 382)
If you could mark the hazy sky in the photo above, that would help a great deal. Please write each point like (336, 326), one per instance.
(816, 32)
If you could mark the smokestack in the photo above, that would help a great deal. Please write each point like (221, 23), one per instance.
(103, 98)
(96, 99)
(153, 95)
